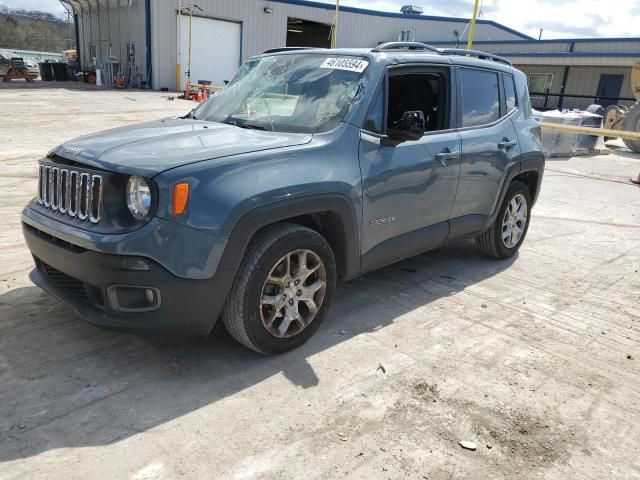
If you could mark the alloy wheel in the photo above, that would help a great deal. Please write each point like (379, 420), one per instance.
(514, 221)
(293, 293)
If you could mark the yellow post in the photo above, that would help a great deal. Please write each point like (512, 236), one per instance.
(334, 37)
(187, 94)
(472, 29)
(179, 63)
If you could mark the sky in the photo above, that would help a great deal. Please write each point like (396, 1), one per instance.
(558, 18)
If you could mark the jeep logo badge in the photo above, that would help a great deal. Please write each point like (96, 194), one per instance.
(73, 150)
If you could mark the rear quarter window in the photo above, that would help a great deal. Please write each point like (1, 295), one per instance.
(509, 93)
(480, 97)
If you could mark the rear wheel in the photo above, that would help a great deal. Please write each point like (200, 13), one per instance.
(282, 290)
(504, 237)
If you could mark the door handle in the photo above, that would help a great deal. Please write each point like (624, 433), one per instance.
(447, 155)
(506, 143)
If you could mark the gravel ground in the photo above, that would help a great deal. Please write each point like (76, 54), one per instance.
(535, 359)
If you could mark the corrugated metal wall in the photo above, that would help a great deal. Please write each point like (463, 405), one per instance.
(543, 102)
(580, 81)
(584, 80)
(262, 31)
(110, 29)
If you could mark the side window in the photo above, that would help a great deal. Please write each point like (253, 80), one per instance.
(509, 92)
(419, 91)
(375, 116)
(480, 97)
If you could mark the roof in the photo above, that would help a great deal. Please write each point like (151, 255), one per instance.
(377, 13)
(399, 56)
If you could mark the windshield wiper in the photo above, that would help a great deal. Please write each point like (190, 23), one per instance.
(251, 126)
(248, 126)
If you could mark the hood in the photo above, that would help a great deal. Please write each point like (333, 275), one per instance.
(150, 148)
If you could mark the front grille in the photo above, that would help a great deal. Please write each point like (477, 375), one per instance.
(70, 192)
(67, 282)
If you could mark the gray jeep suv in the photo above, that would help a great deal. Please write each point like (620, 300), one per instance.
(313, 165)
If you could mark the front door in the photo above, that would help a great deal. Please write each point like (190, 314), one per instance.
(410, 185)
(609, 89)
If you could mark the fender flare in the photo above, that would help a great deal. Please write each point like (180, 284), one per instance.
(254, 220)
(528, 162)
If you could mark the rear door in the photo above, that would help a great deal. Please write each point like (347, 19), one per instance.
(489, 141)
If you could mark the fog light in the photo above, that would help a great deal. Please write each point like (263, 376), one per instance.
(133, 299)
(135, 264)
(148, 293)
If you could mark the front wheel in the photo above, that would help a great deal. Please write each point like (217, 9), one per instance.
(504, 237)
(282, 290)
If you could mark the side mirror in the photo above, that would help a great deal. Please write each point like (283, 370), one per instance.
(410, 126)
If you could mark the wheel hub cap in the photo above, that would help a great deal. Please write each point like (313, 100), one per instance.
(514, 221)
(293, 293)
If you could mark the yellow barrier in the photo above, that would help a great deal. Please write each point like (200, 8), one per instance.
(591, 131)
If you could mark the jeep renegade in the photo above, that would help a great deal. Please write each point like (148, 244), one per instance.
(312, 165)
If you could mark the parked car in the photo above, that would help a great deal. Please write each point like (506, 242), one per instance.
(312, 166)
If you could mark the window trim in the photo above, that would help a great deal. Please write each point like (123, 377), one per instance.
(500, 97)
(505, 78)
(416, 68)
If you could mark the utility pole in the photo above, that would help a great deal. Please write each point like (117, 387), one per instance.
(540, 35)
(179, 64)
(187, 91)
(472, 30)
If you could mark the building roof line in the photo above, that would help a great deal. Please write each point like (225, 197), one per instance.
(568, 54)
(547, 41)
(377, 13)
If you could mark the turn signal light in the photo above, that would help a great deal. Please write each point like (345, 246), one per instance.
(180, 198)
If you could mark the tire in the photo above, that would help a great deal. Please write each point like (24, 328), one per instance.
(257, 309)
(491, 242)
(596, 109)
(631, 123)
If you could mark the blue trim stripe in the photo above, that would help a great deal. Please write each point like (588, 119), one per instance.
(568, 54)
(535, 42)
(376, 13)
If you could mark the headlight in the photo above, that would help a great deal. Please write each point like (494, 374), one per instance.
(138, 197)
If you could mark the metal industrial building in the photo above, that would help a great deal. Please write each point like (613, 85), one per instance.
(148, 40)
(571, 73)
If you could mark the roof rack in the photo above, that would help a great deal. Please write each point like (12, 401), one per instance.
(383, 47)
(287, 49)
(475, 53)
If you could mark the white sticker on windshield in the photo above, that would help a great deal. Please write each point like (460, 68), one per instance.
(349, 64)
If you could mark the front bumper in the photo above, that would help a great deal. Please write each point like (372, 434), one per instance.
(86, 280)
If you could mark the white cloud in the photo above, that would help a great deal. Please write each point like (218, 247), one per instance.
(558, 18)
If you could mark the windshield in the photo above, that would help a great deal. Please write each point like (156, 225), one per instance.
(306, 93)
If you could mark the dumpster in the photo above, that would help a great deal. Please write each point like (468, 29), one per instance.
(60, 72)
(46, 72)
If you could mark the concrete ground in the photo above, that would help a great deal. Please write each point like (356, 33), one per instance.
(535, 359)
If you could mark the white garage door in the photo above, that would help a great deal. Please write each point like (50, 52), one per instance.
(215, 49)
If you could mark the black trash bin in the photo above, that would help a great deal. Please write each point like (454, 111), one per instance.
(46, 72)
(60, 72)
